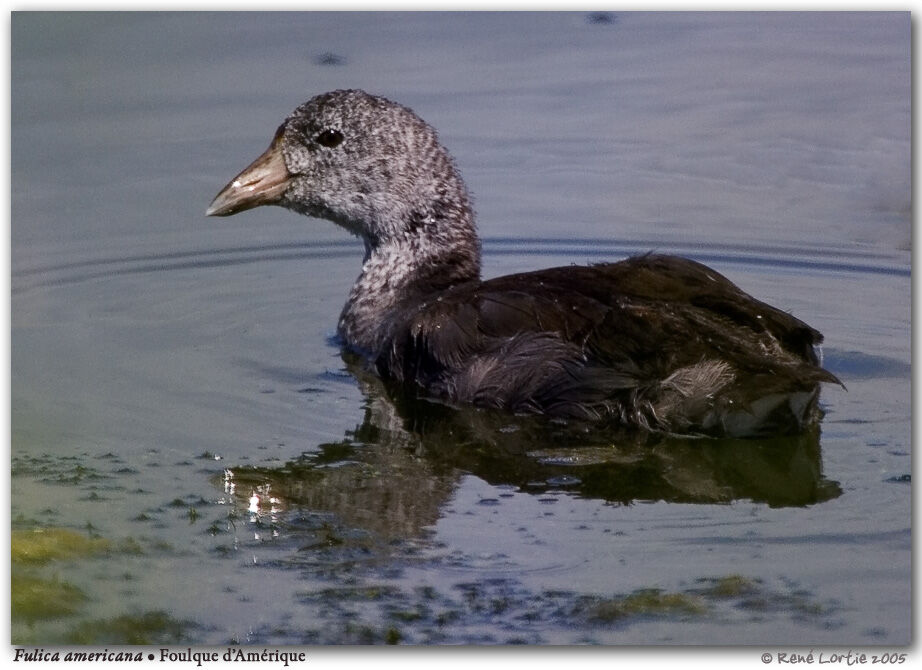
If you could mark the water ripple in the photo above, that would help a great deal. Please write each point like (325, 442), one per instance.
(817, 259)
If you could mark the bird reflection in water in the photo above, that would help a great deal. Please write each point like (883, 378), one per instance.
(391, 476)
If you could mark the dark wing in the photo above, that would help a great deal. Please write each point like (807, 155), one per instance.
(679, 282)
(510, 342)
(586, 341)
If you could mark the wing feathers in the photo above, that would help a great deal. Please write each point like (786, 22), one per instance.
(655, 341)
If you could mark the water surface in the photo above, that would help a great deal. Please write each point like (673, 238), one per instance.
(177, 390)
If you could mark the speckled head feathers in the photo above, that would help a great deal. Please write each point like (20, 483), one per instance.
(375, 168)
(369, 164)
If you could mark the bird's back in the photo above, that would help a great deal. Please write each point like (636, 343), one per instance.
(656, 342)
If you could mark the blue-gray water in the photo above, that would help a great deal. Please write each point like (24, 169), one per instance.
(177, 392)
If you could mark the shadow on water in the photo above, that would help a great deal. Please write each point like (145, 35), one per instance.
(394, 472)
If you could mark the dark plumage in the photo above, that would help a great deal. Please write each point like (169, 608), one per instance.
(653, 342)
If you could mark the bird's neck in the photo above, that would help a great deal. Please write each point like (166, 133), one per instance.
(431, 254)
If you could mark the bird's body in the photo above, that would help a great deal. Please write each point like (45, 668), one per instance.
(653, 342)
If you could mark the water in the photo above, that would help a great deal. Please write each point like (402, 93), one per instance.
(176, 390)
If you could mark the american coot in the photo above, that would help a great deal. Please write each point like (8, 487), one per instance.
(653, 342)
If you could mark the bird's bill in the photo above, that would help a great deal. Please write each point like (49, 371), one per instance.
(263, 182)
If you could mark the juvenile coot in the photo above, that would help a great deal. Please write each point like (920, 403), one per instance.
(653, 342)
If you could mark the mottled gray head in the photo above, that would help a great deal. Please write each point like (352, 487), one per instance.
(362, 161)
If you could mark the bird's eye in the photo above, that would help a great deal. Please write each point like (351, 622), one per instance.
(330, 138)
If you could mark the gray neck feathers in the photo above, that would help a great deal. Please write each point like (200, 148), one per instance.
(433, 248)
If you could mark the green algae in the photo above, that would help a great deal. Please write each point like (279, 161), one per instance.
(645, 602)
(146, 628)
(731, 586)
(38, 594)
(33, 598)
(43, 545)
